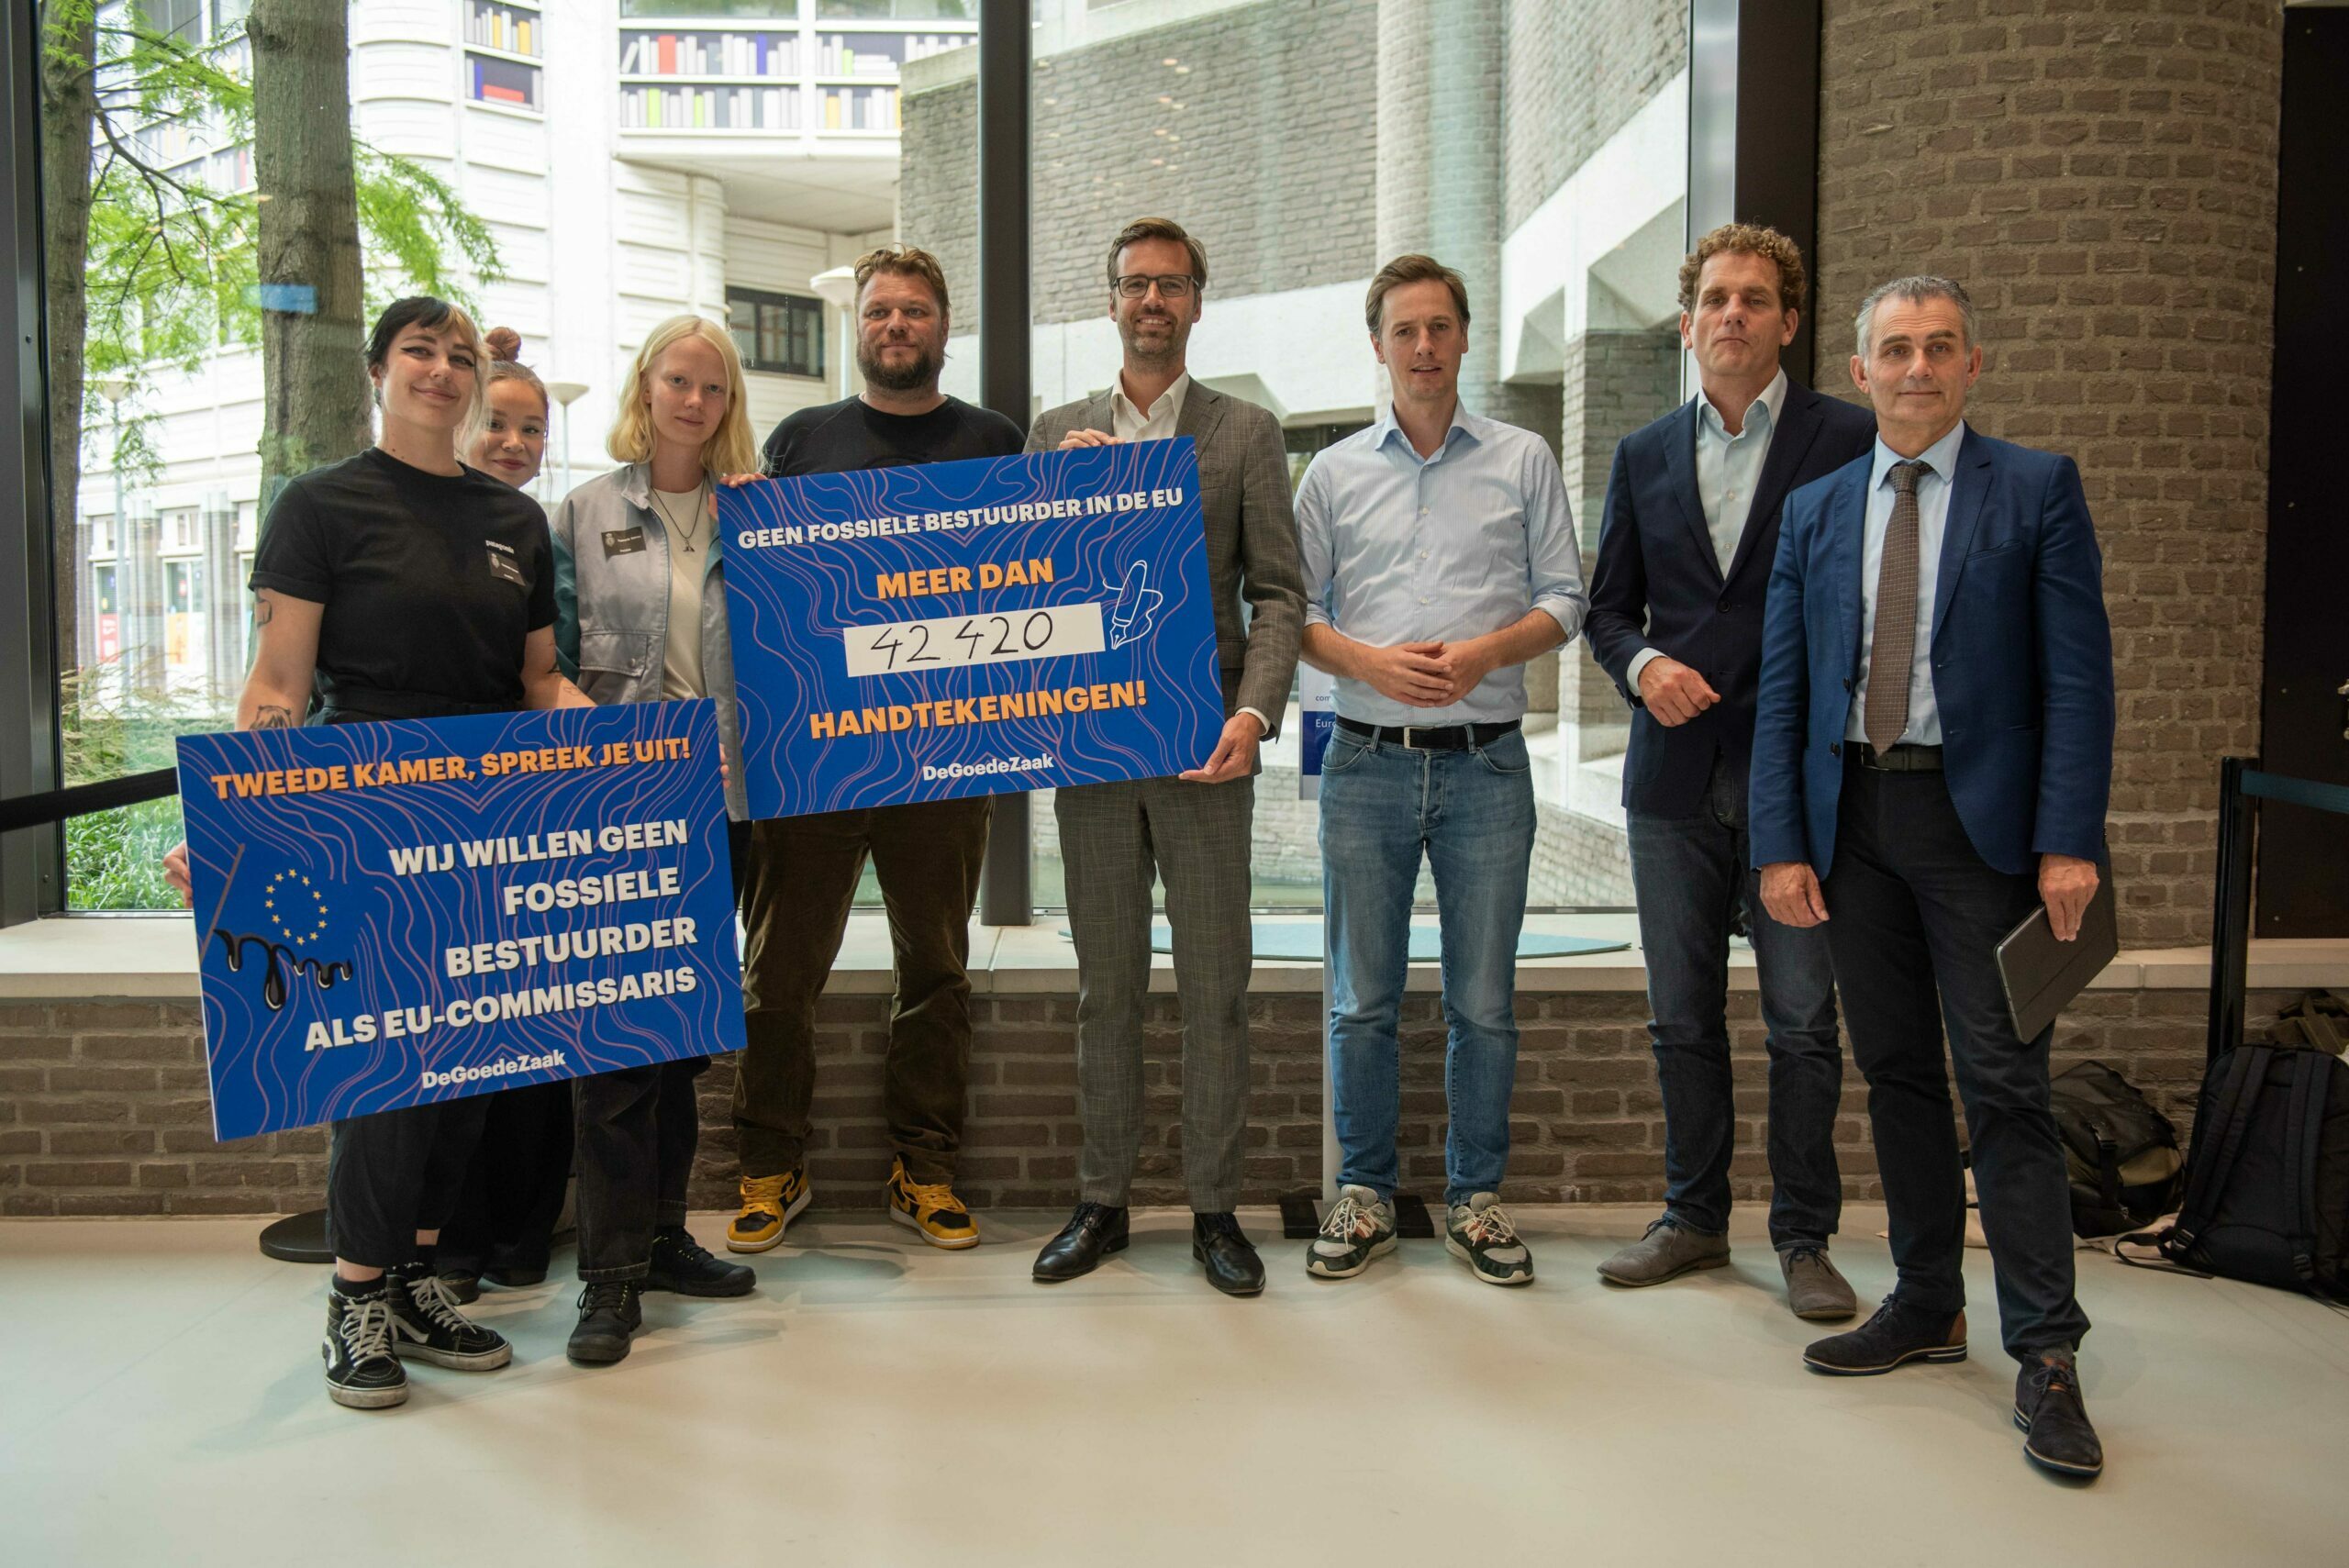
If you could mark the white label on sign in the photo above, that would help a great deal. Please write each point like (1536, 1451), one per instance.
(1000, 636)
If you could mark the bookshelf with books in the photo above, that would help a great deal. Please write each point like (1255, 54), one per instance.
(771, 73)
(503, 43)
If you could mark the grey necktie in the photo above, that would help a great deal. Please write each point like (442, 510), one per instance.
(1894, 647)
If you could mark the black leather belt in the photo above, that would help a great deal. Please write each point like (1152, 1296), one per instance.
(1902, 759)
(1438, 738)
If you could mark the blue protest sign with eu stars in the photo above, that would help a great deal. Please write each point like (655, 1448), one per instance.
(395, 914)
(959, 629)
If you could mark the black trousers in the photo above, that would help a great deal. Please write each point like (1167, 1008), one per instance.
(1914, 919)
(512, 1195)
(636, 1130)
(397, 1172)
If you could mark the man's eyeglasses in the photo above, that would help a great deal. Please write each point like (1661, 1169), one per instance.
(1171, 285)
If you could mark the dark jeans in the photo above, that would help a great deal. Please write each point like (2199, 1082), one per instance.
(637, 1131)
(393, 1174)
(796, 899)
(638, 1128)
(1693, 874)
(1914, 917)
(513, 1188)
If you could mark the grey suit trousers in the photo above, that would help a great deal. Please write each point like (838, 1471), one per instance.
(1196, 837)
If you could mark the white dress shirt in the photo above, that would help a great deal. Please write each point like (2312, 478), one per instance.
(1729, 470)
(1158, 424)
(1932, 520)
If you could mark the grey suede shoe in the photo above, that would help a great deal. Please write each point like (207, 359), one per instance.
(1668, 1251)
(1815, 1291)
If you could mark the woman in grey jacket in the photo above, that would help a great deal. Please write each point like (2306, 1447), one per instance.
(641, 617)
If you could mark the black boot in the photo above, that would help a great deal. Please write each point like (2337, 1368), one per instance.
(1095, 1231)
(683, 1265)
(609, 1311)
(1231, 1262)
(2055, 1419)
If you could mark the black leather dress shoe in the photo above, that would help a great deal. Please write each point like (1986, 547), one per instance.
(1095, 1231)
(2049, 1409)
(1231, 1262)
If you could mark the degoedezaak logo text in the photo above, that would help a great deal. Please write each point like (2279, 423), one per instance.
(500, 1068)
(981, 770)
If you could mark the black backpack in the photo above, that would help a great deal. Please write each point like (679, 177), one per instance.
(2268, 1185)
(2120, 1153)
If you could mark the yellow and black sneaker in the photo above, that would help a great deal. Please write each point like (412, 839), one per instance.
(769, 1203)
(930, 1208)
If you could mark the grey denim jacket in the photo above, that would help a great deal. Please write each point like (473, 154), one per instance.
(611, 605)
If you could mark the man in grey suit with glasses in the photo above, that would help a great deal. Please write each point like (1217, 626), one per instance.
(1191, 832)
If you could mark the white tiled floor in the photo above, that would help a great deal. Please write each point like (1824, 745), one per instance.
(880, 1403)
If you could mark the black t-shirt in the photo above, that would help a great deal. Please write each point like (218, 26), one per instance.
(839, 438)
(431, 584)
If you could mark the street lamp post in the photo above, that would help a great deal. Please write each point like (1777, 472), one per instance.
(566, 392)
(837, 288)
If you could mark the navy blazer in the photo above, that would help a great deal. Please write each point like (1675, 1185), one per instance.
(2022, 662)
(1657, 585)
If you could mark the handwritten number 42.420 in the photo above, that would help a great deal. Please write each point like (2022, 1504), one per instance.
(975, 636)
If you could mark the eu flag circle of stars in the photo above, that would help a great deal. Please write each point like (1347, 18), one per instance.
(303, 919)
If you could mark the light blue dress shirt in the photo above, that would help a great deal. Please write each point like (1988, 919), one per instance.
(1932, 520)
(1729, 468)
(1398, 549)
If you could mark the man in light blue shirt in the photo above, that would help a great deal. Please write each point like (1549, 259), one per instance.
(1440, 556)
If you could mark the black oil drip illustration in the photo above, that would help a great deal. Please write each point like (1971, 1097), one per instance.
(280, 963)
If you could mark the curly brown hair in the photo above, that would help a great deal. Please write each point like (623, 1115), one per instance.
(906, 261)
(1751, 240)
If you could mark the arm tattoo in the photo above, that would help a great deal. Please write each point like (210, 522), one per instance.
(273, 717)
(263, 608)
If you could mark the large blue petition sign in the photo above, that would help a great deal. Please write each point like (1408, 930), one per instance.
(958, 628)
(395, 914)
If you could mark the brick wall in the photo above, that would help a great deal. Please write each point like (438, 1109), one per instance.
(103, 1108)
(1210, 139)
(1577, 70)
(2103, 181)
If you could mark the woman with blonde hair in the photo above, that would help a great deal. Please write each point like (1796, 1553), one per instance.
(401, 583)
(641, 617)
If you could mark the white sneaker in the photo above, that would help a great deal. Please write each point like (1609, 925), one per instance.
(1481, 1234)
(1358, 1228)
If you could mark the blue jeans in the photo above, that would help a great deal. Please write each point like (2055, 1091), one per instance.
(1470, 814)
(1692, 874)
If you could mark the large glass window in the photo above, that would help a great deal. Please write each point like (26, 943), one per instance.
(1540, 148)
(577, 172)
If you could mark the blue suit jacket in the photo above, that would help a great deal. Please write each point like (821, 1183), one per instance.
(1657, 585)
(2022, 662)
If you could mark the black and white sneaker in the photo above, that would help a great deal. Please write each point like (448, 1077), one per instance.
(1481, 1234)
(1357, 1229)
(362, 1371)
(426, 1325)
(683, 1265)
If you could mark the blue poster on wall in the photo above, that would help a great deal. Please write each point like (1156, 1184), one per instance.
(395, 914)
(958, 628)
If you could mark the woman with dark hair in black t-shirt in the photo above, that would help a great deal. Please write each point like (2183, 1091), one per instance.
(401, 583)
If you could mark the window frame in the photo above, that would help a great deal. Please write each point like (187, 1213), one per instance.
(811, 309)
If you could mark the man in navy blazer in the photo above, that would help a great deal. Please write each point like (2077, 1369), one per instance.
(1675, 620)
(1932, 754)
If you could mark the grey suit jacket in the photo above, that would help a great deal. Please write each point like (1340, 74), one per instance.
(1251, 535)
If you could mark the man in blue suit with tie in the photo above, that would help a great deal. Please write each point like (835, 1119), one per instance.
(1675, 620)
(1932, 754)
